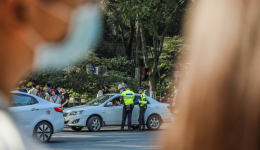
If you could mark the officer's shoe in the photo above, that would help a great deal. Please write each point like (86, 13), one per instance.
(129, 130)
(143, 129)
(122, 129)
(138, 130)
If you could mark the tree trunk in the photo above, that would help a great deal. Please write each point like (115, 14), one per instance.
(138, 47)
(152, 80)
(137, 53)
(144, 46)
(152, 85)
(130, 39)
(115, 47)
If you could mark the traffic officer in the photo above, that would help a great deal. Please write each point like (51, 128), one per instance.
(127, 99)
(143, 107)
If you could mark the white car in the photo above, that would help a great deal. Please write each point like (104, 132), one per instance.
(103, 111)
(35, 116)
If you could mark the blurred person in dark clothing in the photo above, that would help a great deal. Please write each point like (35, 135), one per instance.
(48, 89)
(22, 89)
(65, 98)
(28, 27)
(106, 91)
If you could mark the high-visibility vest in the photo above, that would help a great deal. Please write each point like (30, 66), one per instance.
(128, 97)
(142, 101)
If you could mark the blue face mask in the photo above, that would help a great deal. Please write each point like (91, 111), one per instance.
(83, 35)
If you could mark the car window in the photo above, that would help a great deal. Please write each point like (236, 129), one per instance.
(116, 101)
(99, 100)
(22, 100)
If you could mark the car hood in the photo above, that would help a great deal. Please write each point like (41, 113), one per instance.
(77, 108)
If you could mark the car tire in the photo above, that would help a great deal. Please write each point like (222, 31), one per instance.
(135, 127)
(43, 132)
(76, 128)
(153, 122)
(94, 124)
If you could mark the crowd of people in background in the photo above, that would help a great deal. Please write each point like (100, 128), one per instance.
(103, 91)
(56, 95)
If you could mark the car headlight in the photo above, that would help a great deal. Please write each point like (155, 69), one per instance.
(74, 113)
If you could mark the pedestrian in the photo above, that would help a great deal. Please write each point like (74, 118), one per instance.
(143, 106)
(65, 98)
(33, 91)
(121, 87)
(47, 96)
(40, 93)
(48, 89)
(127, 99)
(22, 89)
(57, 90)
(93, 69)
(106, 91)
(100, 92)
(54, 98)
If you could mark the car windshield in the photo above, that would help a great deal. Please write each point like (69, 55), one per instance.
(99, 100)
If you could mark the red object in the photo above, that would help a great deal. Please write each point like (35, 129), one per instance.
(169, 107)
(58, 109)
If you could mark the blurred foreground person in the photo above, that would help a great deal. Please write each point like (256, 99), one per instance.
(39, 33)
(219, 107)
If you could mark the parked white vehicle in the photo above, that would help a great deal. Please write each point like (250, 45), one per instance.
(35, 116)
(103, 111)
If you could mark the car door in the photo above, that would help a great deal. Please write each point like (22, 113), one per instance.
(148, 110)
(113, 113)
(26, 111)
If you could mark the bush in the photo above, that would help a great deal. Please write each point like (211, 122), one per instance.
(81, 84)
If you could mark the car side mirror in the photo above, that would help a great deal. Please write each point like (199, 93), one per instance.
(110, 104)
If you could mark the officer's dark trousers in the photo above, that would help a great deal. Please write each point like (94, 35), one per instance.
(141, 118)
(128, 114)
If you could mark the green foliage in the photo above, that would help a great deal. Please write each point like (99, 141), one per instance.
(119, 64)
(173, 50)
(81, 84)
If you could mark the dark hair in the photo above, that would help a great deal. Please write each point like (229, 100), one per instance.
(34, 85)
(48, 85)
(21, 85)
(63, 87)
(124, 81)
(106, 86)
(39, 89)
(102, 88)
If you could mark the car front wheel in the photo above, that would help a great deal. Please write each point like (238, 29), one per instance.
(43, 132)
(153, 122)
(76, 128)
(94, 124)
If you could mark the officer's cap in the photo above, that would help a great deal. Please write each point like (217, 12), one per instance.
(127, 86)
(140, 88)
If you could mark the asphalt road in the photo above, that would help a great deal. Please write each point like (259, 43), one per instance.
(107, 138)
